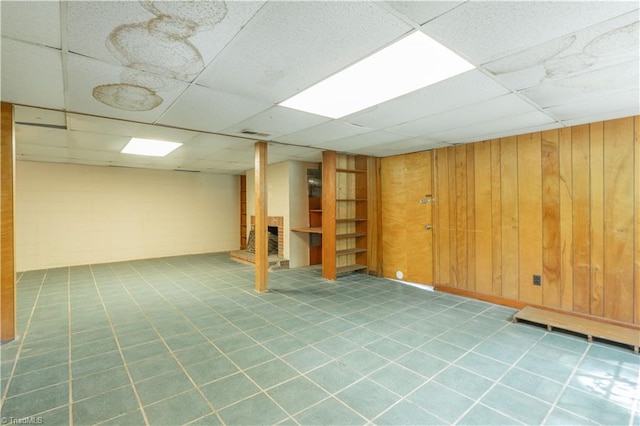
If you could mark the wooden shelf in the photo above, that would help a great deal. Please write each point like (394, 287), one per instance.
(308, 229)
(350, 251)
(315, 210)
(345, 217)
(350, 171)
(351, 235)
(349, 268)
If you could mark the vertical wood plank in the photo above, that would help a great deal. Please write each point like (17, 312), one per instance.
(619, 219)
(483, 232)
(510, 217)
(471, 218)
(453, 219)
(566, 218)
(260, 185)
(529, 209)
(394, 228)
(443, 224)
(597, 218)
(7, 238)
(581, 219)
(461, 216)
(419, 241)
(496, 219)
(551, 288)
(329, 215)
(636, 212)
(374, 222)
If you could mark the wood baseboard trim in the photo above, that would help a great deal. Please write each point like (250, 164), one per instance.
(516, 304)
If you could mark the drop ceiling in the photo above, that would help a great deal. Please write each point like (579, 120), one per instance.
(86, 76)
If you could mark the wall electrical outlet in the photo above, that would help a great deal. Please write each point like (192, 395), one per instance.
(537, 280)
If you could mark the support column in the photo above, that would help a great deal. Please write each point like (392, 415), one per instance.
(7, 247)
(260, 187)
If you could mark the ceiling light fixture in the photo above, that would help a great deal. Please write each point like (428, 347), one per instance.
(149, 147)
(414, 62)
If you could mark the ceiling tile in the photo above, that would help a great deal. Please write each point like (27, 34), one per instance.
(147, 131)
(31, 75)
(91, 155)
(400, 147)
(362, 140)
(43, 151)
(506, 133)
(216, 110)
(483, 31)
(276, 121)
(603, 116)
(96, 141)
(233, 156)
(32, 21)
(421, 12)
(464, 89)
(87, 162)
(153, 36)
(323, 133)
(39, 159)
(288, 46)
(628, 100)
(291, 150)
(625, 76)
(216, 142)
(36, 135)
(493, 109)
(106, 126)
(479, 131)
(314, 157)
(39, 116)
(603, 45)
(98, 85)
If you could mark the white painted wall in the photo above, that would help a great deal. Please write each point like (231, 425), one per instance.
(287, 197)
(73, 215)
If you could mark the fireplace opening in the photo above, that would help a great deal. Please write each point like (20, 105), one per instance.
(275, 244)
(273, 240)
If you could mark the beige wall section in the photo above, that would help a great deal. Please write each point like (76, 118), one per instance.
(287, 197)
(562, 206)
(72, 215)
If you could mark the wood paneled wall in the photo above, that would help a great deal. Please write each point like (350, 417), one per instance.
(7, 215)
(563, 204)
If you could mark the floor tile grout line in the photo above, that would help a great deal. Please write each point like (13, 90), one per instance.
(362, 325)
(243, 370)
(497, 382)
(567, 384)
(236, 299)
(115, 337)
(70, 319)
(635, 411)
(214, 410)
(22, 340)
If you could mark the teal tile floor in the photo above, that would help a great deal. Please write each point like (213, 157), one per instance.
(186, 340)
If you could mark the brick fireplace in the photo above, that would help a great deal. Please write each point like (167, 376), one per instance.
(275, 225)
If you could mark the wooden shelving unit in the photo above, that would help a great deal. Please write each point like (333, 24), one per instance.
(344, 214)
(243, 212)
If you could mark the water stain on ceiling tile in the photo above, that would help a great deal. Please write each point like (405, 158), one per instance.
(157, 51)
(569, 56)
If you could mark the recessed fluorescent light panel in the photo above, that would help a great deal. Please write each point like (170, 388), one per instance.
(413, 62)
(149, 147)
